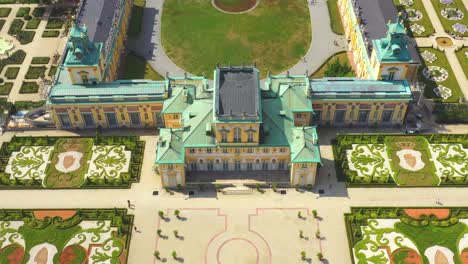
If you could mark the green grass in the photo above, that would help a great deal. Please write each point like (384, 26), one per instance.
(463, 59)
(275, 35)
(425, 21)
(451, 81)
(52, 71)
(447, 24)
(11, 73)
(136, 20)
(137, 68)
(341, 56)
(16, 26)
(5, 88)
(5, 11)
(33, 23)
(29, 87)
(50, 33)
(35, 72)
(38, 12)
(2, 23)
(335, 18)
(54, 23)
(23, 11)
(40, 60)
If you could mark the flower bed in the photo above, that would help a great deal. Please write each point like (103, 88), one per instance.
(451, 13)
(407, 235)
(416, 18)
(79, 236)
(71, 162)
(402, 160)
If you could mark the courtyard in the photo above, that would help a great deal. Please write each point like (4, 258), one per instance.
(233, 39)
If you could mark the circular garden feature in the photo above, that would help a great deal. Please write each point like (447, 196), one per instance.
(196, 36)
(235, 6)
(444, 41)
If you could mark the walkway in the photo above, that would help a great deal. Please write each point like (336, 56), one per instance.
(149, 45)
(449, 51)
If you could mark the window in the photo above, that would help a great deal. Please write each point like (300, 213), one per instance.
(298, 115)
(363, 116)
(391, 75)
(281, 165)
(64, 120)
(250, 137)
(237, 150)
(88, 119)
(193, 166)
(265, 150)
(282, 149)
(340, 116)
(257, 161)
(249, 165)
(304, 165)
(175, 116)
(217, 161)
(135, 118)
(237, 165)
(237, 134)
(225, 165)
(264, 165)
(210, 165)
(387, 115)
(249, 150)
(225, 151)
(84, 78)
(192, 150)
(223, 137)
(170, 166)
(208, 150)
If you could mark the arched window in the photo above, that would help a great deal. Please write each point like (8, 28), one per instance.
(201, 161)
(237, 134)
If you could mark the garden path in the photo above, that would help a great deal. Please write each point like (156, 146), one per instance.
(149, 45)
(449, 51)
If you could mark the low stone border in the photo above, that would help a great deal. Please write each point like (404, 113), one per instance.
(234, 13)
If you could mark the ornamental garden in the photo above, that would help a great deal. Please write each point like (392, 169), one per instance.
(65, 236)
(408, 235)
(71, 162)
(402, 160)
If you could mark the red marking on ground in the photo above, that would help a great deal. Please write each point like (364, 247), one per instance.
(238, 238)
(64, 214)
(441, 213)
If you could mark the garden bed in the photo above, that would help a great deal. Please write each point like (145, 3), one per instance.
(407, 235)
(50, 33)
(35, 72)
(11, 73)
(40, 60)
(5, 88)
(79, 235)
(29, 87)
(462, 55)
(5, 11)
(402, 160)
(71, 162)
(449, 21)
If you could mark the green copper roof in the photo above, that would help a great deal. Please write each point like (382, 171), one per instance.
(394, 46)
(180, 99)
(170, 147)
(80, 50)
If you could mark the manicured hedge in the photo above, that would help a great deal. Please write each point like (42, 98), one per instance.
(27, 105)
(6, 88)
(50, 33)
(40, 60)
(52, 71)
(23, 11)
(35, 72)
(11, 73)
(29, 87)
(16, 58)
(33, 23)
(54, 23)
(38, 12)
(16, 26)
(2, 23)
(451, 113)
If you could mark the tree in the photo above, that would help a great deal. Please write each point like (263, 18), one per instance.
(299, 215)
(317, 234)
(301, 234)
(174, 254)
(176, 233)
(161, 214)
(303, 255)
(336, 69)
(159, 232)
(157, 254)
(177, 213)
(314, 212)
(320, 255)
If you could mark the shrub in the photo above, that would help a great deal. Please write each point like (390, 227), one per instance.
(161, 214)
(54, 23)
(33, 23)
(16, 26)
(35, 72)
(50, 33)
(52, 71)
(25, 37)
(11, 73)
(5, 11)
(320, 255)
(27, 17)
(29, 87)
(23, 11)
(6, 88)
(38, 12)
(303, 255)
(336, 69)
(40, 60)
(447, 113)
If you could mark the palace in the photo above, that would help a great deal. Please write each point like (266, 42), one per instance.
(235, 124)
(381, 48)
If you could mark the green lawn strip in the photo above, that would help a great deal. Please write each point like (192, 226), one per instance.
(29, 87)
(52, 71)
(28, 105)
(463, 59)
(137, 68)
(14, 59)
(40, 60)
(451, 81)
(33, 23)
(16, 26)
(335, 17)
(5, 11)
(38, 11)
(446, 23)
(11, 73)
(136, 21)
(330, 67)
(23, 11)
(54, 23)
(425, 21)
(5, 88)
(215, 37)
(35, 72)
(2, 23)
(50, 33)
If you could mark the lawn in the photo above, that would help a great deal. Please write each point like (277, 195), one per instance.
(425, 21)
(50, 33)
(5, 11)
(137, 68)
(70, 162)
(40, 60)
(407, 235)
(335, 17)
(136, 20)
(11, 73)
(66, 236)
(401, 160)
(33, 23)
(462, 55)
(446, 23)
(35, 72)
(451, 82)
(275, 35)
(29, 87)
(5, 88)
(341, 56)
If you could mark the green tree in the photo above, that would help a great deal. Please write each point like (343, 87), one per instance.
(336, 69)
